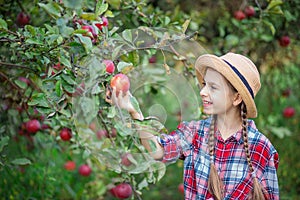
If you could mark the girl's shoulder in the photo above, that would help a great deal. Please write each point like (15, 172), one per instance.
(258, 139)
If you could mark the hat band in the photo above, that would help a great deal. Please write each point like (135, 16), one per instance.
(242, 78)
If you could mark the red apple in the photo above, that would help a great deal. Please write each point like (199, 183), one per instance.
(22, 19)
(288, 112)
(122, 191)
(181, 188)
(90, 31)
(65, 134)
(125, 160)
(93, 126)
(152, 59)
(121, 83)
(239, 15)
(33, 126)
(104, 21)
(284, 41)
(101, 134)
(70, 165)
(249, 11)
(110, 66)
(85, 170)
(25, 80)
(112, 133)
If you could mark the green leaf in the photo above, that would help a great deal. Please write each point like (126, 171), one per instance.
(86, 42)
(274, 3)
(127, 35)
(3, 24)
(58, 88)
(231, 40)
(38, 99)
(21, 84)
(111, 112)
(271, 26)
(68, 79)
(281, 132)
(121, 65)
(73, 4)
(53, 9)
(3, 142)
(135, 104)
(100, 8)
(185, 25)
(65, 61)
(21, 161)
(88, 16)
(34, 41)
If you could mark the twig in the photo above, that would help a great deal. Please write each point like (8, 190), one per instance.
(16, 65)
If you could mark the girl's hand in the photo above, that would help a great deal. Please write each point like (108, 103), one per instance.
(123, 101)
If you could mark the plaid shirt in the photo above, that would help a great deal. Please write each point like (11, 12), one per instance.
(190, 141)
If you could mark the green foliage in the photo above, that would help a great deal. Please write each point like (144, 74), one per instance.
(51, 69)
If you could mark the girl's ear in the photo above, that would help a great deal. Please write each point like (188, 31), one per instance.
(237, 99)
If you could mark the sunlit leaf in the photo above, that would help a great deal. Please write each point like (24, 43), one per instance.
(21, 161)
(100, 8)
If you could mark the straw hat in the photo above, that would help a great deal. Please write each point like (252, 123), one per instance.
(239, 70)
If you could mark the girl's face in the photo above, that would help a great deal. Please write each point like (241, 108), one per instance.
(217, 94)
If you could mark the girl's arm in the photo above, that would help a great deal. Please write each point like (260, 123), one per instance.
(148, 140)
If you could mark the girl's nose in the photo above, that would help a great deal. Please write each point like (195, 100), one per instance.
(204, 91)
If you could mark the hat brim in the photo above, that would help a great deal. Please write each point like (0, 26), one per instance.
(211, 61)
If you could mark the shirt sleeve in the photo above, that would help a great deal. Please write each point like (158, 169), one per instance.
(271, 181)
(179, 142)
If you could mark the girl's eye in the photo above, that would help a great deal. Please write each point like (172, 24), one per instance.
(213, 88)
(203, 84)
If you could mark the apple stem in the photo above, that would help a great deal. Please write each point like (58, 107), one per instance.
(21, 6)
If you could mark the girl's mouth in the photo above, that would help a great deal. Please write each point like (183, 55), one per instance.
(206, 103)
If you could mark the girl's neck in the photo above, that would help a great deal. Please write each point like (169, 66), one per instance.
(228, 125)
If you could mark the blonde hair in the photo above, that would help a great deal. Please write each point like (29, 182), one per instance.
(215, 184)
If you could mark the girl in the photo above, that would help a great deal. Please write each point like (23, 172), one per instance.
(225, 156)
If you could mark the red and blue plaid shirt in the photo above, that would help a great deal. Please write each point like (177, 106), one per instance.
(190, 141)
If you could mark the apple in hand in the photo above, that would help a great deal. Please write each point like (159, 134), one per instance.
(120, 82)
(122, 191)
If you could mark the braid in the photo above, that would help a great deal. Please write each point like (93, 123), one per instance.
(215, 185)
(257, 192)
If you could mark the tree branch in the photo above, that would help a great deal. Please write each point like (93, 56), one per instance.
(16, 65)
